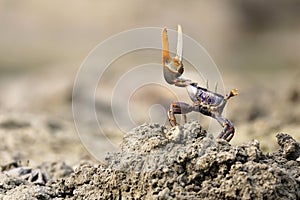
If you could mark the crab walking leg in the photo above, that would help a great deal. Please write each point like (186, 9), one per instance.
(178, 108)
(228, 129)
(184, 118)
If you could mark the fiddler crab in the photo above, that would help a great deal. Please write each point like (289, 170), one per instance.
(204, 101)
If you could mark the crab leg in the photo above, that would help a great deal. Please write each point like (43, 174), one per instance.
(178, 108)
(228, 130)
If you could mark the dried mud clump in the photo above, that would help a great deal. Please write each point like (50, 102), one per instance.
(179, 163)
(187, 163)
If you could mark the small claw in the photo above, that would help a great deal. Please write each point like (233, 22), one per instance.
(232, 93)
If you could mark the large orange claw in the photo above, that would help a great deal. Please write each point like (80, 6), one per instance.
(165, 47)
(173, 67)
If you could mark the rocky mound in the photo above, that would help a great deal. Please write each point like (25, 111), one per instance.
(184, 163)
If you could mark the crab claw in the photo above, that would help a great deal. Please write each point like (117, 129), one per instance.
(173, 67)
(179, 44)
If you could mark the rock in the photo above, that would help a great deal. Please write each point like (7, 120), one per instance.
(16, 169)
(289, 146)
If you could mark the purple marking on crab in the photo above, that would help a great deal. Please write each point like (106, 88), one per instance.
(199, 92)
(210, 100)
(203, 96)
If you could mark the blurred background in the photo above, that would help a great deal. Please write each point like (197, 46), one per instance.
(255, 45)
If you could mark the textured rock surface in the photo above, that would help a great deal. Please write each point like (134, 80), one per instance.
(182, 163)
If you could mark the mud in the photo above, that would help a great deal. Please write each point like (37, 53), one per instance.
(160, 163)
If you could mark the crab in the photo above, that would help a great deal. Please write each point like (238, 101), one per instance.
(204, 101)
